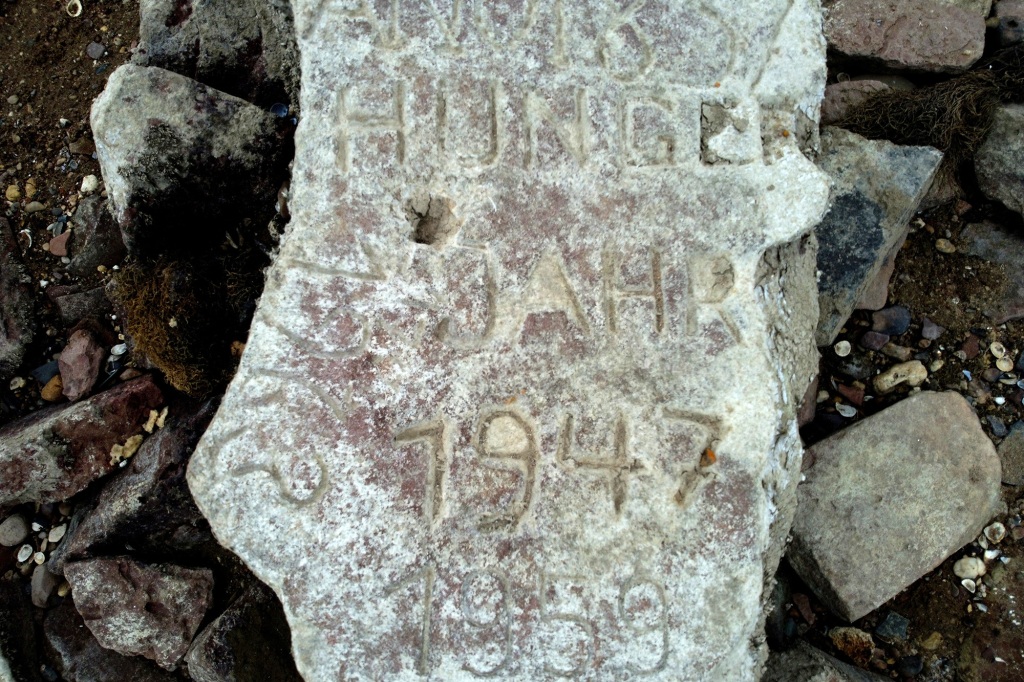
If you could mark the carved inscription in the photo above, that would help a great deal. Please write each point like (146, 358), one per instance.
(616, 468)
(506, 440)
(435, 435)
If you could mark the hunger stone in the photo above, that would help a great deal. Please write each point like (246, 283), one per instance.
(519, 399)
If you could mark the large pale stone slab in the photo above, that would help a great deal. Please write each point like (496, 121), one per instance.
(519, 400)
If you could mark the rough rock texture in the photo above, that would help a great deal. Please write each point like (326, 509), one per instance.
(1011, 454)
(980, 7)
(923, 464)
(921, 35)
(95, 238)
(135, 608)
(182, 161)
(74, 305)
(147, 506)
(248, 642)
(1005, 246)
(78, 657)
(245, 48)
(841, 97)
(804, 663)
(16, 308)
(54, 453)
(520, 397)
(999, 163)
(80, 364)
(876, 188)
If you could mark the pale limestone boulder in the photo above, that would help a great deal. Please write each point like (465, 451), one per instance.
(520, 397)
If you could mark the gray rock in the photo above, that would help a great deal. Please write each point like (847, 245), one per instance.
(915, 35)
(892, 321)
(841, 98)
(54, 453)
(135, 608)
(95, 50)
(75, 306)
(250, 641)
(245, 48)
(183, 162)
(877, 187)
(13, 530)
(1004, 246)
(80, 364)
(43, 585)
(804, 663)
(78, 657)
(1011, 454)
(16, 304)
(147, 506)
(889, 498)
(95, 238)
(999, 162)
(486, 205)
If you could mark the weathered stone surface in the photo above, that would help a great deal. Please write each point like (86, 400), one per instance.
(842, 98)
(56, 452)
(1011, 455)
(135, 608)
(520, 395)
(245, 48)
(999, 162)
(16, 308)
(980, 7)
(804, 663)
(1011, 22)
(147, 506)
(922, 35)
(248, 642)
(75, 306)
(923, 464)
(1004, 246)
(95, 238)
(876, 188)
(13, 530)
(182, 161)
(78, 657)
(80, 364)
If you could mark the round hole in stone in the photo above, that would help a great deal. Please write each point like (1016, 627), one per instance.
(433, 220)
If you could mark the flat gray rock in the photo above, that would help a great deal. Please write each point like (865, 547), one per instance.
(520, 398)
(999, 162)
(877, 186)
(888, 499)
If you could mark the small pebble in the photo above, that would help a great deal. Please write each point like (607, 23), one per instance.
(59, 245)
(945, 246)
(932, 642)
(34, 207)
(13, 99)
(873, 340)
(57, 533)
(969, 568)
(991, 554)
(13, 531)
(969, 585)
(930, 330)
(912, 373)
(843, 348)
(12, 193)
(893, 628)
(95, 50)
(24, 553)
(936, 365)
(892, 321)
(39, 558)
(53, 391)
(999, 429)
(89, 184)
(997, 349)
(847, 411)
(1004, 363)
(995, 532)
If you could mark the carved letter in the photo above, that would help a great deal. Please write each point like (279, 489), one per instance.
(495, 129)
(434, 434)
(614, 291)
(548, 290)
(574, 134)
(353, 123)
(506, 440)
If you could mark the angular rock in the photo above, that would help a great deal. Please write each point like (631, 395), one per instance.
(135, 608)
(841, 98)
(80, 364)
(1004, 246)
(56, 452)
(889, 498)
(877, 187)
(75, 306)
(1011, 454)
(245, 48)
(182, 161)
(249, 641)
(78, 657)
(95, 238)
(999, 162)
(16, 306)
(915, 35)
(147, 506)
(532, 351)
(804, 663)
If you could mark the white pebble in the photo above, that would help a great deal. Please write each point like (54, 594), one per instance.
(969, 585)
(36, 526)
(24, 553)
(969, 567)
(1005, 364)
(89, 184)
(995, 532)
(39, 558)
(17, 382)
(843, 348)
(847, 411)
(997, 349)
(991, 554)
(57, 533)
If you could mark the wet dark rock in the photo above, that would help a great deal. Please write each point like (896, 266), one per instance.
(245, 48)
(80, 364)
(992, 374)
(54, 453)
(44, 373)
(17, 317)
(910, 666)
(877, 187)
(872, 340)
(892, 321)
(893, 628)
(136, 608)
(95, 238)
(999, 429)
(148, 506)
(184, 163)
(250, 641)
(78, 657)
(930, 330)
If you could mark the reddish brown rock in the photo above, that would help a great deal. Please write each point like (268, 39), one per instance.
(59, 244)
(78, 657)
(920, 35)
(841, 98)
(80, 364)
(135, 608)
(54, 453)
